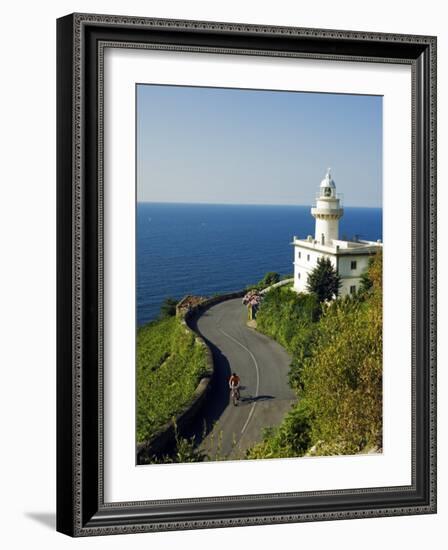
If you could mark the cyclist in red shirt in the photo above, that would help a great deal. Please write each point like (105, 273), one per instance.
(234, 385)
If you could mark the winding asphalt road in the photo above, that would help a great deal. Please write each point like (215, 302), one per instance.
(262, 365)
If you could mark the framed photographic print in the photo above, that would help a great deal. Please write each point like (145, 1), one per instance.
(246, 274)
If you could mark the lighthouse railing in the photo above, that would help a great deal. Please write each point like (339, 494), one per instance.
(339, 196)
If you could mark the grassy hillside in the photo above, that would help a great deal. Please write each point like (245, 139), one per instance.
(170, 363)
(336, 370)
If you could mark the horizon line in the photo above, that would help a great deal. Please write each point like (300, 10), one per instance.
(244, 204)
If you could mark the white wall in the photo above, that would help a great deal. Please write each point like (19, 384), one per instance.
(345, 262)
(328, 228)
(27, 226)
(304, 266)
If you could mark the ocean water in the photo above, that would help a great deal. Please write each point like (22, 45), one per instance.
(207, 249)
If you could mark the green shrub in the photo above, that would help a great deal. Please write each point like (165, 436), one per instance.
(291, 438)
(270, 278)
(168, 308)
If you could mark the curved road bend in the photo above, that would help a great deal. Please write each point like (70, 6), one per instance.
(263, 367)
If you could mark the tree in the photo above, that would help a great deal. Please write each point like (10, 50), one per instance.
(323, 281)
(168, 308)
(371, 273)
(270, 278)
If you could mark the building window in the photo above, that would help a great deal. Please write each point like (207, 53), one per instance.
(352, 289)
(308, 258)
(298, 275)
(353, 264)
(299, 255)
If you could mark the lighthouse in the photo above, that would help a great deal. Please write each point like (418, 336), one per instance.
(350, 258)
(327, 212)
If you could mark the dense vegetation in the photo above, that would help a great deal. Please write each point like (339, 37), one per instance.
(336, 370)
(170, 363)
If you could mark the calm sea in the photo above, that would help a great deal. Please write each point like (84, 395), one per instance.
(206, 249)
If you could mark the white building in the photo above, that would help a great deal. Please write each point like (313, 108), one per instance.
(349, 258)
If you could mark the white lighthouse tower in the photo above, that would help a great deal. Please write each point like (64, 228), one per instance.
(327, 212)
(350, 258)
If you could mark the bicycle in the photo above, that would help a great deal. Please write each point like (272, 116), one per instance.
(235, 395)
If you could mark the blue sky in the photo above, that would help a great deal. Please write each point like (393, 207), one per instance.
(228, 146)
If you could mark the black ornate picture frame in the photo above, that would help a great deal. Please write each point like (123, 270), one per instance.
(81, 509)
